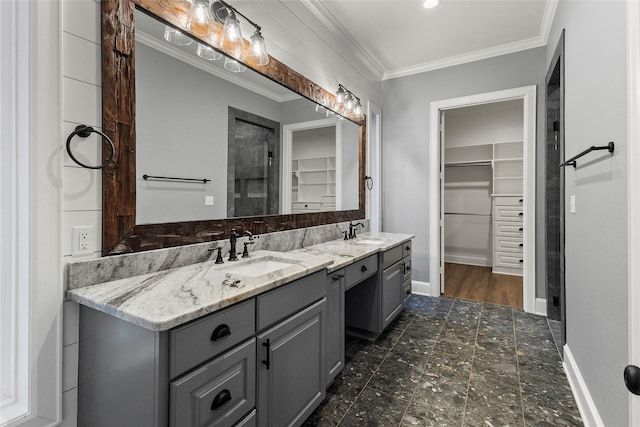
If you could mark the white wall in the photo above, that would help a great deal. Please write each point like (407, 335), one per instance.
(596, 235)
(406, 125)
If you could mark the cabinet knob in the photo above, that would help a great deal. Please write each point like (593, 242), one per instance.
(408, 247)
(221, 399)
(521, 244)
(363, 268)
(221, 332)
(521, 214)
(521, 261)
(521, 200)
(520, 229)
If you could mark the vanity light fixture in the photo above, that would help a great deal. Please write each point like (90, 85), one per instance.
(234, 66)
(232, 41)
(174, 36)
(199, 19)
(346, 103)
(430, 4)
(205, 52)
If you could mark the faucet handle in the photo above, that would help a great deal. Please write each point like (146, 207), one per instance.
(219, 259)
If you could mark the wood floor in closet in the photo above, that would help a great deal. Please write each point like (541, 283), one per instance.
(475, 283)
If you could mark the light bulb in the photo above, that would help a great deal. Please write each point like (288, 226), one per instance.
(199, 19)
(232, 41)
(348, 102)
(258, 51)
(430, 4)
(340, 96)
(357, 110)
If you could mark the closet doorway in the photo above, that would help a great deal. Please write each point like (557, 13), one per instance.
(484, 188)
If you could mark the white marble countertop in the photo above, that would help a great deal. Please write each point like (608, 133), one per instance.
(162, 300)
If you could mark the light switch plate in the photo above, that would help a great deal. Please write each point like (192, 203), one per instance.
(208, 200)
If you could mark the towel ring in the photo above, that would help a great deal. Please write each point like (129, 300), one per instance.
(83, 132)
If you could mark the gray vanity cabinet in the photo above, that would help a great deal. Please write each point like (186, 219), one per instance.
(392, 293)
(335, 323)
(292, 368)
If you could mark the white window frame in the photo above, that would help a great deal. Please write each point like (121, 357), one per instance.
(30, 221)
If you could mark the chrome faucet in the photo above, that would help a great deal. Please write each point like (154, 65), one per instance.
(352, 229)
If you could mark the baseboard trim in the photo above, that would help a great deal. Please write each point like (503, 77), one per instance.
(423, 288)
(586, 406)
(468, 260)
(541, 307)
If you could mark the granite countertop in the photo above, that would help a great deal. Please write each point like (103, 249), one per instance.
(162, 300)
(345, 252)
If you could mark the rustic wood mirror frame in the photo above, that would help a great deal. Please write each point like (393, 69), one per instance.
(120, 234)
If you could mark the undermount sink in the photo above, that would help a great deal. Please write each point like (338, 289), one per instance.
(368, 241)
(259, 266)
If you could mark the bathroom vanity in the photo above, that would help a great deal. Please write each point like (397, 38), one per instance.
(247, 343)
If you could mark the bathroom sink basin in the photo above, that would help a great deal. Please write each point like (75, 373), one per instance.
(259, 266)
(368, 241)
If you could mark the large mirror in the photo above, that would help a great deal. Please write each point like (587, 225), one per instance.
(206, 149)
(211, 144)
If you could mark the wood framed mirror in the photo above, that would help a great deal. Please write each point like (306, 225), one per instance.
(121, 233)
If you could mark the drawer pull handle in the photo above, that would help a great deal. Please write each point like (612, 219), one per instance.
(221, 332)
(220, 400)
(521, 244)
(521, 261)
(408, 247)
(363, 268)
(337, 277)
(267, 362)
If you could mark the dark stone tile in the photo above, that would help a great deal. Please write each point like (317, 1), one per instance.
(329, 413)
(550, 393)
(374, 408)
(437, 307)
(465, 329)
(380, 347)
(537, 416)
(419, 337)
(556, 333)
(492, 401)
(500, 365)
(497, 311)
(455, 346)
(415, 303)
(399, 374)
(349, 341)
(358, 370)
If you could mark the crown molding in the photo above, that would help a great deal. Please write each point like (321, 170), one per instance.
(538, 41)
(330, 22)
(181, 55)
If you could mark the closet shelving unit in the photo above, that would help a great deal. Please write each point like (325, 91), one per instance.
(506, 190)
(313, 184)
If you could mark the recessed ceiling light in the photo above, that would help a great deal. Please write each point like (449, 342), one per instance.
(430, 4)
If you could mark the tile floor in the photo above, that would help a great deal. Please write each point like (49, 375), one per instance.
(450, 362)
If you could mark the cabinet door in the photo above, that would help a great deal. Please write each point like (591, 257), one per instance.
(292, 368)
(391, 292)
(335, 323)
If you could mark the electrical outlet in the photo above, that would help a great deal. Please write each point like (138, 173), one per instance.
(208, 200)
(83, 240)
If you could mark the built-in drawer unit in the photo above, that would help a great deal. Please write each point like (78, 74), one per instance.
(360, 270)
(507, 259)
(218, 393)
(507, 213)
(202, 339)
(282, 302)
(306, 206)
(391, 256)
(509, 201)
(504, 244)
(508, 229)
(406, 249)
(406, 290)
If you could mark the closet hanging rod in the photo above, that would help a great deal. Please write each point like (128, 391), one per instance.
(467, 213)
(170, 178)
(456, 165)
(572, 161)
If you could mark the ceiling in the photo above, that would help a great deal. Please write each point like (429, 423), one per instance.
(400, 37)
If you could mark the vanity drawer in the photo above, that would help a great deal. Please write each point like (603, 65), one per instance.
(406, 249)
(508, 259)
(391, 256)
(198, 341)
(217, 394)
(306, 206)
(360, 270)
(507, 213)
(406, 290)
(508, 201)
(508, 245)
(282, 302)
(510, 229)
(406, 271)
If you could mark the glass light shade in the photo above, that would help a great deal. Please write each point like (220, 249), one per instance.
(174, 36)
(233, 65)
(340, 96)
(205, 52)
(357, 110)
(258, 51)
(430, 4)
(231, 40)
(348, 102)
(199, 19)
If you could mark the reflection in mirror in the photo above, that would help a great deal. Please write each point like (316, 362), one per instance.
(265, 149)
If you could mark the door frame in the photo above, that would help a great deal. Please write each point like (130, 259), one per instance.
(287, 145)
(528, 95)
(374, 166)
(633, 196)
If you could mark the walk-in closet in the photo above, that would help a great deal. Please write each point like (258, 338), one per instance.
(482, 200)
